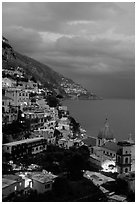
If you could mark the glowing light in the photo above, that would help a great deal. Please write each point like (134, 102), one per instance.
(31, 184)
(109, 166)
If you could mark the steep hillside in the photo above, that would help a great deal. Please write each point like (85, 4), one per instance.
(47, 76)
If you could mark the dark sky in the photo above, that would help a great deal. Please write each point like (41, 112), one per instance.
(92, 43)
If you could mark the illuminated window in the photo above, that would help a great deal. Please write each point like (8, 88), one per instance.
(15, 188)
(31, 184)
(20, 183)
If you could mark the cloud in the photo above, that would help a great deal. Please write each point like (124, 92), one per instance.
(76, 39)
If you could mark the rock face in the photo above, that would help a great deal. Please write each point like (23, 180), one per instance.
(42, 73)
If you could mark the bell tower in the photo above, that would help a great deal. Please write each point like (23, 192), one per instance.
(123, 157)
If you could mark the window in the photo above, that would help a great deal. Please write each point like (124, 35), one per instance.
(110, 154)
(7, 148)
(15, 188)
(126, 170)
(20, 183)
(103, 152)
(126, 160)
(3, 103)
(126, 152)
(119, 159)
(99, 142)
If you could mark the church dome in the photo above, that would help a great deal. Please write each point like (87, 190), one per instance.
(106, 132)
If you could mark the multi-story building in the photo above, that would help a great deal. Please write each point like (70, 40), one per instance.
(6, 82)
(37, 118)
(25, 147)
(9, 112)
(28, 85)
(67, 143)
(123, 157)
(6, 103)
(11, 184)
(19, 96)
(42, 181)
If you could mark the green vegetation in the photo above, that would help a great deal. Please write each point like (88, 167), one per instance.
(52, 101)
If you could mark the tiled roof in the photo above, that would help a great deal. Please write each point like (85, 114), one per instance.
(7, 182)
(43, 177)
(111, 146)
(90, 141)
(23, 141)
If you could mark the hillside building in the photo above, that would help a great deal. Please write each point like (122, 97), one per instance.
(123, 157)
(25, 147)
(17, 95)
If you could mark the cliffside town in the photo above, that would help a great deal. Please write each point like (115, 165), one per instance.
(45, 75)
(47, 155)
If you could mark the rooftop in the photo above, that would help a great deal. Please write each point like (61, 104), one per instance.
(12, 177)
(110, 146)
(43, 177)
(23, 141)
(7, 182)
(97, 178)
(118, 198)
(90, 141)
(124, 143)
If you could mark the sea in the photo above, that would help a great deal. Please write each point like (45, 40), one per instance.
(91, 114)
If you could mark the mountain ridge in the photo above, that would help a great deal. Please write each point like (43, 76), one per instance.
(43, 73)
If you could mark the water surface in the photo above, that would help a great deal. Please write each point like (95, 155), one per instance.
(91, 114)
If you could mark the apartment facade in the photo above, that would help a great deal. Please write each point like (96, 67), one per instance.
(25, 147)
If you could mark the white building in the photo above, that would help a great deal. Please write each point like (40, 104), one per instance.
(42, 181)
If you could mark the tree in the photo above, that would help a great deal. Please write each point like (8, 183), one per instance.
(60, 186)
(84, 151)
(52, 101)
(75, 166)
(75, 125)
(33, 79)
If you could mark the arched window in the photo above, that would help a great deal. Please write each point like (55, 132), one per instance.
(126, 160)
